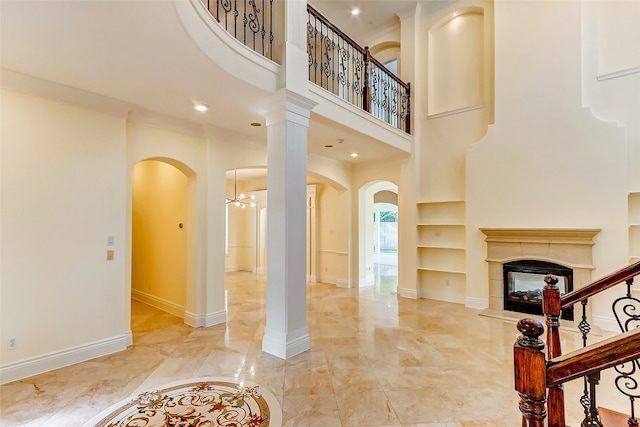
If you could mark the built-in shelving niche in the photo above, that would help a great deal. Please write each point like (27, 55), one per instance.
(442, 249)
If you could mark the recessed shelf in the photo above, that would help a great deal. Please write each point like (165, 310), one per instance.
(442, 270)
(442, 236)
(441, 233)
(459, 248)
(442, 213)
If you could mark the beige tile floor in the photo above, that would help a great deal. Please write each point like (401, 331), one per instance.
(375, 360)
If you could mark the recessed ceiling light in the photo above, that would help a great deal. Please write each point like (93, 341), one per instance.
(256, 124)
(354, 154)
(201, 107)
(355, 12)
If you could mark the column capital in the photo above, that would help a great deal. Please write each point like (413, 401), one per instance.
(286, 105)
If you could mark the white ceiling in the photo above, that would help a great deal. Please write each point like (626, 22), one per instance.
(100, 51)
(375, 16)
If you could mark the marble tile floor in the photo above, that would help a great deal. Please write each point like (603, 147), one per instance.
(375, 360)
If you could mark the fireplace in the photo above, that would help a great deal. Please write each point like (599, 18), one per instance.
(568, 247)
(524, 282)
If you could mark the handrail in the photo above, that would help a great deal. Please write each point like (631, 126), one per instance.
(386, 70)
(537, 380)
(540, 382)
(594, 358)
(363, 50)
(335, 29)
(336, 62)
(600, 285)
(341, 66)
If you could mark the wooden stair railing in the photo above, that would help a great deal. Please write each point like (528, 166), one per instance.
(534, 374)
(552, 392)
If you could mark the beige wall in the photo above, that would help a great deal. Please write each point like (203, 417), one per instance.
(159, 244)
(541, 148)
(442, 142)
(551, 156)
(547, 162)
(326, 200)
(63, 180)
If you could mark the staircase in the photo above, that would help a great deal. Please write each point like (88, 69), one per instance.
(540, 375)
(610, 418)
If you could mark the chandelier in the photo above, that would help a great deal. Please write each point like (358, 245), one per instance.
(242, 200)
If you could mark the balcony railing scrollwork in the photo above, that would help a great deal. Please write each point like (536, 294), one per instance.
(249, 21)
(344, 68)
(336, 62)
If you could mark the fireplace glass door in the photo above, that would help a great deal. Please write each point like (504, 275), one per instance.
(524, 282)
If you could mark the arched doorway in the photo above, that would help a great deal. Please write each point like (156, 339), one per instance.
(378, 266)
(385, 241)
(161, 205)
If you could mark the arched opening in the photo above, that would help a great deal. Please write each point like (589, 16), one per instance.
(378, 266)
(162, 224)
(385, 241)
(245, 226)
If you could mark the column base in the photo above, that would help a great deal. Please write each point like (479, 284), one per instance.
(283, 345)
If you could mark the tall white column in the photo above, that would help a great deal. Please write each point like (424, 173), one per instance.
(286, 332)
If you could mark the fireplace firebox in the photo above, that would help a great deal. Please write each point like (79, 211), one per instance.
(524, 282)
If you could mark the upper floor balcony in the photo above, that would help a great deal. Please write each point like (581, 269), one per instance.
(152, 61)
(336, 62)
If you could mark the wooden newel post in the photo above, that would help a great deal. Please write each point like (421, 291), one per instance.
(530, 369)
(552, 309)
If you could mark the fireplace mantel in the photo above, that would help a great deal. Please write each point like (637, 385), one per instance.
(535, 235)
(570, 247)
(567, 246)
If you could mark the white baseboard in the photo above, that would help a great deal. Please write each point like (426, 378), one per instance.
(311, 278)
(343, 283)
(129, 338)
(477, 303)
(408, 293)
(234, 268)
(59, 359)
(205, 320)
(441, 296)
(327, 279)
(157, 302)
(261, 270)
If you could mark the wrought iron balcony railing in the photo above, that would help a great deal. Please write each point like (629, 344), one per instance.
(336, 62)
(249, 21)
(341, 66)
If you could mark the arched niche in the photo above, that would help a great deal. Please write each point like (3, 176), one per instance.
(456, 62)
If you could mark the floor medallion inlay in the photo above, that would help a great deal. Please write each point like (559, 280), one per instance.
(196, 402)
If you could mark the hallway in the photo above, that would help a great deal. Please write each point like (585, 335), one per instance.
(375, 360)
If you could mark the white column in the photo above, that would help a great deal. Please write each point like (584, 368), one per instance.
(286, 332)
